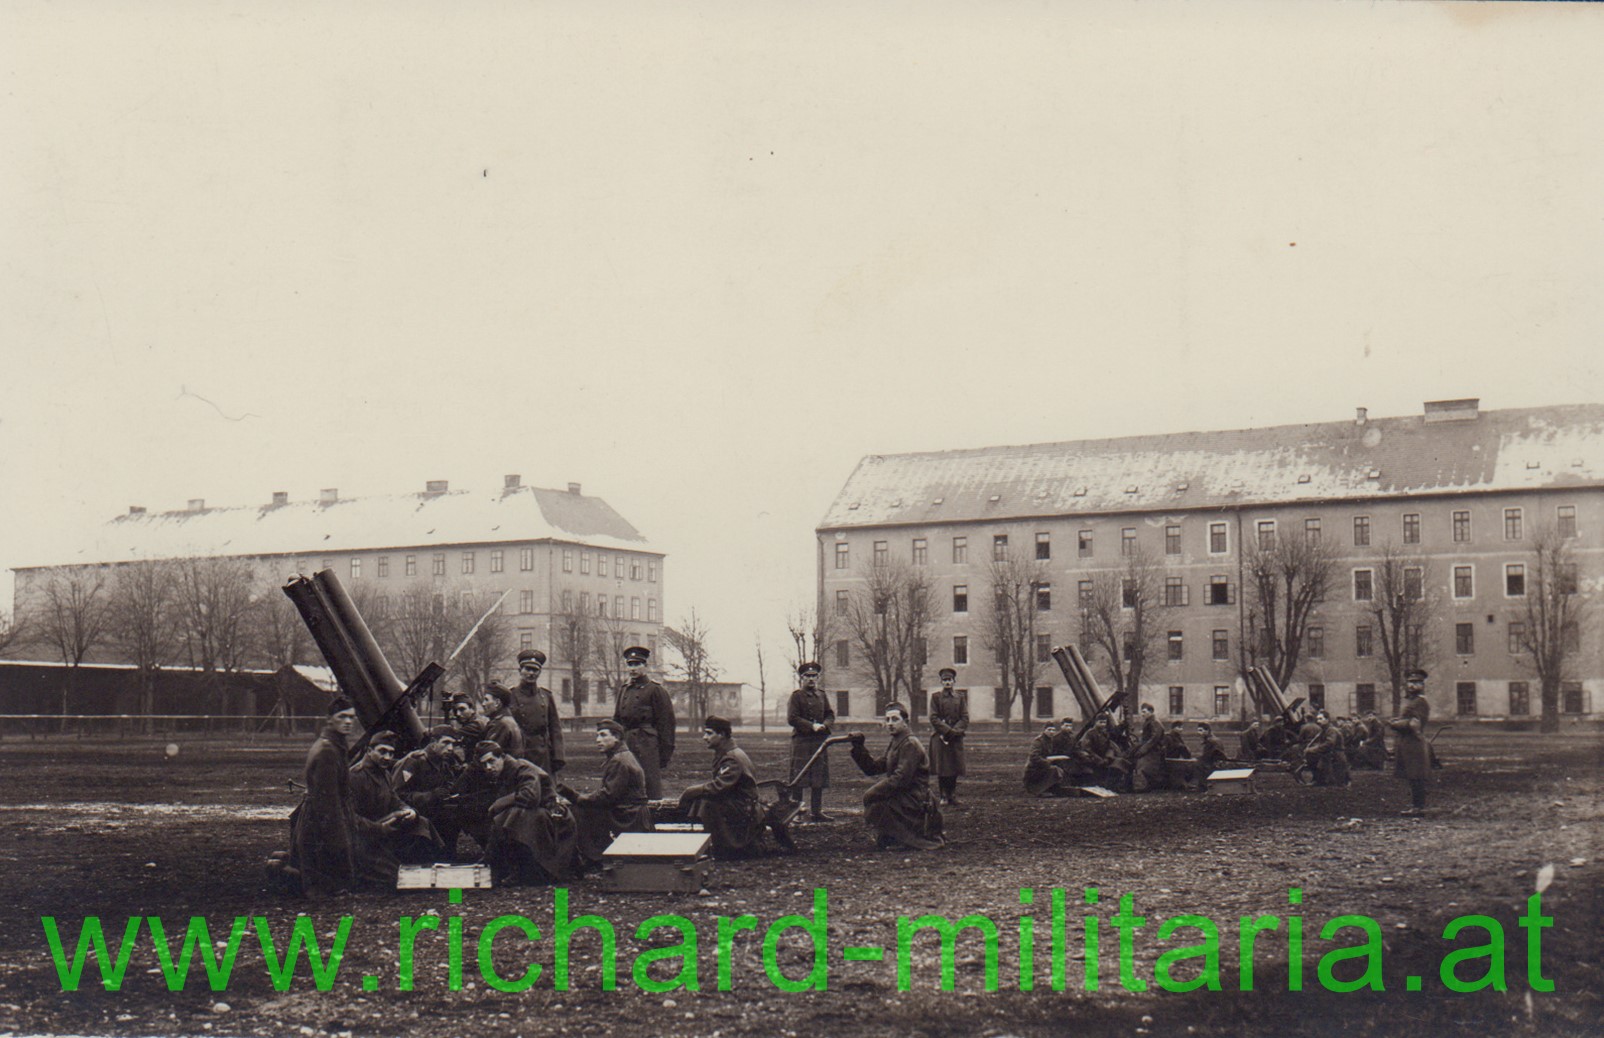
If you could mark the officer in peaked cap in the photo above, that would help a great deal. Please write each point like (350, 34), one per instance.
(949, 723)
(647, 714)
(1411, 750)
(535, 709)
(810, 718)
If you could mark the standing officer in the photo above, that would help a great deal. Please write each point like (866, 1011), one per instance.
(949, 721)
(810, 718)
(535, 710)
(647, 714)
(1412, 752)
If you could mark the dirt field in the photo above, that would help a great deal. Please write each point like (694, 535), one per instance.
(114, 829)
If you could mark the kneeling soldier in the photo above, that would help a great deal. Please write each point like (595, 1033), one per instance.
(899, 808)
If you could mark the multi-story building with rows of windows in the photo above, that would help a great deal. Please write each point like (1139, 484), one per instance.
(553, 551)
(1464, 491)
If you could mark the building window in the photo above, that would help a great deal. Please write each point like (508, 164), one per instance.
(411, 565)
(1462, 527)
(1570, 636)
(584, 562)
(1520, 699)
(438, 567)
(1127, 541)
(999, 702)
(1222, 700)
(1512, 524)
(1266, 534)
(1127, 593)
(601, 605)
(843, 703)
(1177, 648)
(1316, 639)
(526, 639)
(1565, 521)
(960, 550)
(1570, 697)
(1517, 637)
(1177, 700)
(601, 565)
(1364, 698)
(1465, 698)
(651, 610)
(1364, 644)
(568, 560)
(1464, 639)
(651, 571)
(327, 564)
(1218, 591)
(384, 566)
(1317, 697)
(1044, 597)
(526, 601)
(526, 559)
(1083, 594)
(1221, 647)
(960, 598)
(381, 606)
(356, 569)
(1514, 580)
(1414, 583)
(1044, 545)
(843, 653)
(1083, 544)
(1364, 585)
(1172, 540)
(1565, 579)
(467, 562)
(634, 568)
(921, 551)
(841, 598)
(634, 607)
(1464, 582)
(1411, 528)
(999, 547)
(1044, 701)
(618, 567)
(1219, 543)
(843, 556)
(584, 602)
(1414, 639)
(1044, 648)
(497, 560)
(618, 606)
(882, 553)
(1361, 531)
(960, 649)
(568, 601)
(1311, 531)
(1174, 591)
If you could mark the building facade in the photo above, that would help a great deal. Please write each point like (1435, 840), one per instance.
(563, 560)
(1463, 495)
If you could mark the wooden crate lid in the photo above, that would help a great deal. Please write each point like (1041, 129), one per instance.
(659, 845)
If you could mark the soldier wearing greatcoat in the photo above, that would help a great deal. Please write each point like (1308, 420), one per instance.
(647, 714)
(1412, 752)
(727, 805)
(899, 807)
(535, 709)
(620, 806)
(810, 718)
(949, 723)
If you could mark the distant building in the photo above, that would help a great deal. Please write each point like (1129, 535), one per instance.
(1464, 489)
(728, 699)
(557, 553)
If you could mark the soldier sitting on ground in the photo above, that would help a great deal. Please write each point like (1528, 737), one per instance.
(530, 830)
(407, 835)
(423, 779)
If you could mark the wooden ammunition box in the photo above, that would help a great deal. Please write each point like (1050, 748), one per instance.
(442, 876)
(1230, 781)
(671, 862)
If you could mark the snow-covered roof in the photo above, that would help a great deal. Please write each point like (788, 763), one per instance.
(519, 514)
(1446, 450)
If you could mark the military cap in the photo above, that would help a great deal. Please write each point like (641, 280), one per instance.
(484, 746)
(389, 739)
(947, 672)
(809, 667)
(899, 708)
(637, 654)
(500, 691)
(532, 655)
(443, 731)
(715, 723)
(339, 703)
(458, 697)
(1415, 674)
(610, 725)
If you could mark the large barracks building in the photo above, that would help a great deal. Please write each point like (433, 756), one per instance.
(554, 551)
(1466, 490)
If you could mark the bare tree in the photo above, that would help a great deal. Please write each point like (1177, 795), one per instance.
(1403, 605)
(762, 686)
(214, 604)
(811, 632)
(1287, 580)
(888, 621)
(13, 631)
(694, 666)
(1122, 615)
(490, 645)
(68, 612)
(613, 636)
(578, 639)
(143, 624)
(1552, 615)
(281, 635)
(1008, 628)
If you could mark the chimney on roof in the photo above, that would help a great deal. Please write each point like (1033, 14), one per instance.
(1463, 410)
(511, 481)
(136, 509)
(281, 497)
(1361, 415)
(573, 488)
(327, 496)
(197, 504)
(436, 486)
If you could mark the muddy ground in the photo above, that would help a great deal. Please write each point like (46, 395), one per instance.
(114, 829)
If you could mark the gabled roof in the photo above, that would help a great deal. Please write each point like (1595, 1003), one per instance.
(1515, 449)
(358, 524)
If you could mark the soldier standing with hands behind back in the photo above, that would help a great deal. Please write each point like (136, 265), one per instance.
(949, 719)
(810, 718)
(1412, 751)
(647, 714)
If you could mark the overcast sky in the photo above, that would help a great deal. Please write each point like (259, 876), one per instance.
(701, 258)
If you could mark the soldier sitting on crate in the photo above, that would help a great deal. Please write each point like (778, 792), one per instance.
(501, 727)
(530, 832)
(408, 837)
(423, 779)
(620, 806)
(1371, 753)
(1181, 769)
(899, 807)
(1212, 756)
(1147, 753)
(1045, 771)
(1081, 764)
(1102, 751)
(727, 805)
(1325, 754)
